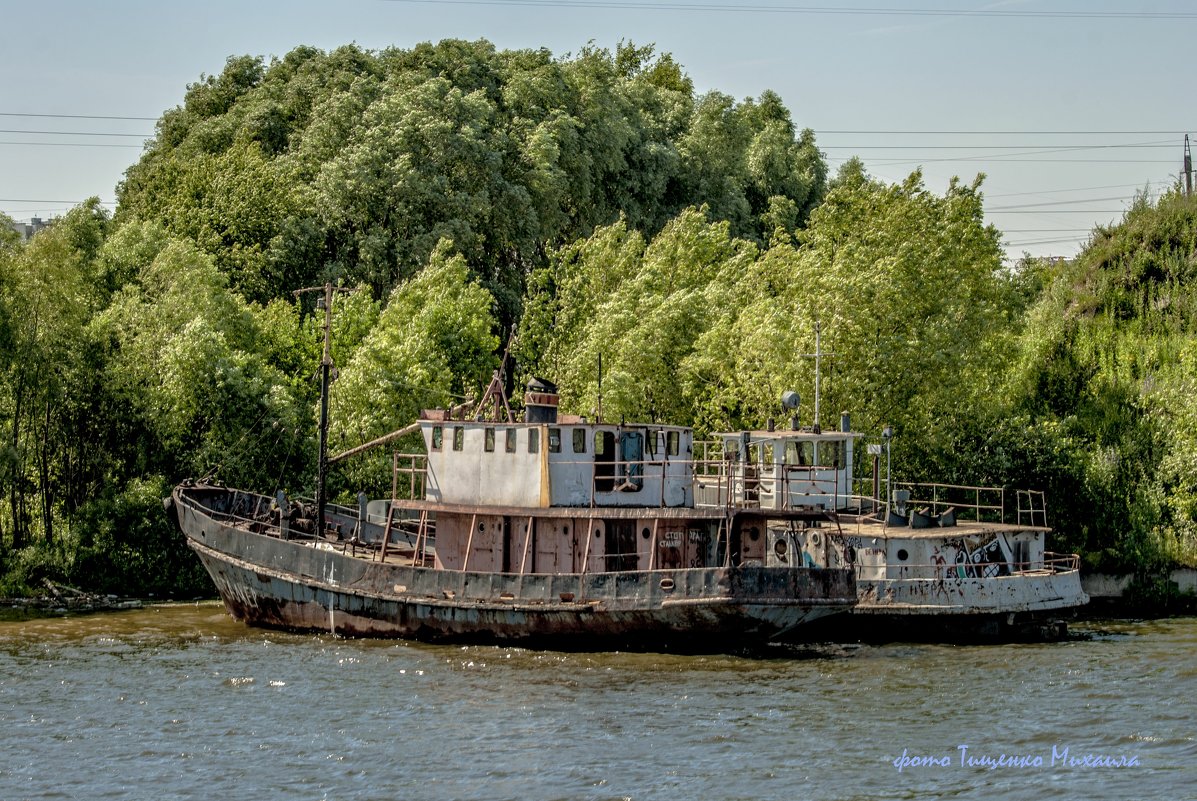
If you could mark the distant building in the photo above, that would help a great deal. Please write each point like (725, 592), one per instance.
(28, 229)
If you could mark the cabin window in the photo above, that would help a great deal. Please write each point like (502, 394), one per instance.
(490, 440)
(579, 440)
(458, 438)
(831, 453)
(767, 454)
(438, 437)
(673, 442)
(1022, 555)
(511, 440)
(650, 444)
(533, 440)
(800, 453)
(731, 449)
(754, 453)
(554, 440)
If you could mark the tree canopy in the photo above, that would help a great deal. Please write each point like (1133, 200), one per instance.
(352, 165)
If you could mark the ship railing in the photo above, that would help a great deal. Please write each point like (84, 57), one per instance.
(982, 504)
(264, 518)
(333, 508)
(731, 489)
(1032, 508)
(633, 475)
(1061, 562)
(415, 467)
(762, 482)
(1052, 563)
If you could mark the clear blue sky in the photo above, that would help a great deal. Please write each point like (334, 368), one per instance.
(1117, 85)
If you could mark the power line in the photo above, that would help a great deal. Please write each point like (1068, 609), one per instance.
(71, 133)
(1055, 203)
(1079, 189)
(1027, 242)
(75, 116)
(69, 202)
(68, 144)
(1055, 148)
(644, 5)
(1007, 133)
(861, 131)
(997, 157)
(1059, 211)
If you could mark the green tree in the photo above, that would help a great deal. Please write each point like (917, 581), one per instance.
(185, 363)
(433, 343)
(351, 165)
(49, 371)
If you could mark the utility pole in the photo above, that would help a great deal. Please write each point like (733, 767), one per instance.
(1188, 168)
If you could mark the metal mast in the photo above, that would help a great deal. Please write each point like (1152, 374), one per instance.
(324, 301)
(818, 357)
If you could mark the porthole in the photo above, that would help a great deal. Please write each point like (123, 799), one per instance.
(780, 548)
(814, 539)
(902, 555)
(754, 534)
(598, 534)
(644, 534)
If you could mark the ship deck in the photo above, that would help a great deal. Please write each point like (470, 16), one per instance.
(866, 527)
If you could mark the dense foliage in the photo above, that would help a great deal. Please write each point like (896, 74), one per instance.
(597, 207)
(353, 165)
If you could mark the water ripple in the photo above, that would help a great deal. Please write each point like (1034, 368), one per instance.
(182, 702)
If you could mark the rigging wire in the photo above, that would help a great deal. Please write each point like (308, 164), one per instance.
(229, 453)
(282, 468)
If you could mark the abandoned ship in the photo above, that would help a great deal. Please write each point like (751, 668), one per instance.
(549, 530)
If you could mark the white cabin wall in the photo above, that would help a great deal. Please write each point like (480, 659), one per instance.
(476, 476)
(572, 474)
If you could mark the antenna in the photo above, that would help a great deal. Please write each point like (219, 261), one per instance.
(818, 357)
(598, 414)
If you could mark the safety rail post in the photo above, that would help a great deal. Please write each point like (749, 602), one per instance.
(394, 474)
(386, 532)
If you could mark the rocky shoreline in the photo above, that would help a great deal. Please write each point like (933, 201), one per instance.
(61, 599)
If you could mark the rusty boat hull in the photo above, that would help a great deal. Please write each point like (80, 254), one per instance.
(309, 585)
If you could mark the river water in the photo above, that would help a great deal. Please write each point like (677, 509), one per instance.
(181, 702)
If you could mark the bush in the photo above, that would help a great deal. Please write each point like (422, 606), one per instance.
(134, 549)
